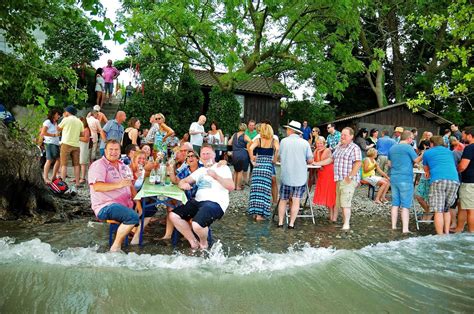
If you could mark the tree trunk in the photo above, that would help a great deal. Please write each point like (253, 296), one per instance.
(378, 87)
(23, 192)
(393, 25)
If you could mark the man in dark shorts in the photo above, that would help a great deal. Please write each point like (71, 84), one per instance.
(212, 199)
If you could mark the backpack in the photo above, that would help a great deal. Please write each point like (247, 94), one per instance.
(6, 115)
(58, 186)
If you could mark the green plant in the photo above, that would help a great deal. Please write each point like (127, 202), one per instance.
(312, 112)
(225, 109)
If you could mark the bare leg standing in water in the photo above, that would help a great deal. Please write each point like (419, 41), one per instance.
(405, 218)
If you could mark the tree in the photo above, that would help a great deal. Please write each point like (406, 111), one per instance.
(28, 78)
(303, 39)
(446, 76)
(72, 40)
(311, 111)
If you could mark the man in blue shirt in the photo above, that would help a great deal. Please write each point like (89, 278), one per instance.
(334, 137)
(401, 159)
(295, 154)
(440, 168)
(306, 130)
(113, 129)
(383, 146)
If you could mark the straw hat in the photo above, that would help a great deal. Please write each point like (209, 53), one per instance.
(295, 126)
(399, 129)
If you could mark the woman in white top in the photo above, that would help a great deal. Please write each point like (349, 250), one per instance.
(50, 135)
(215, 137)
(99, 87)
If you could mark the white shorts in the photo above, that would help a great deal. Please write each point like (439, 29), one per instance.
(373, 180)
(83, 153)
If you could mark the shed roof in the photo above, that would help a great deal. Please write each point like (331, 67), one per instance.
(422, 111)
(254, 85)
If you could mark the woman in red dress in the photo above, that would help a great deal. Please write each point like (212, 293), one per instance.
(325, 192)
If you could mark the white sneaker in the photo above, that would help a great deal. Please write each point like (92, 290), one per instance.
(73, 190)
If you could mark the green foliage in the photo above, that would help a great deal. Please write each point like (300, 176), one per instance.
(448, 75)
(314, 113)
(225, 109)
(306, 40)
(180, 106)
(72, 40)
(41, 77)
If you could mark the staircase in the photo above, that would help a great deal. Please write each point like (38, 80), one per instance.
(111, 109)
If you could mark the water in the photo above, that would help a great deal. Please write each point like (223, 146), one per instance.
(64, 268)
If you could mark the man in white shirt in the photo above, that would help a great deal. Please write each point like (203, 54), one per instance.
(96, 131)
(210, 203)
(196, 131)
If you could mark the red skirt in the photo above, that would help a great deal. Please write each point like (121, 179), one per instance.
(325, 193)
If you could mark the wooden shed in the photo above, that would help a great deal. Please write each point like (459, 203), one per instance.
(259, 97)
(390, 117)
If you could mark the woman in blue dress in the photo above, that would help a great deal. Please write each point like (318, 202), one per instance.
(263, 152)
(240, 156)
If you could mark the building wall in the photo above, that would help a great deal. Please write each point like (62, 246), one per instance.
(257, 107)
(399, 116)
(260, 107)
(389, 119)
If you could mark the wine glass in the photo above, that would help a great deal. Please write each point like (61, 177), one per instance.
(127, 173)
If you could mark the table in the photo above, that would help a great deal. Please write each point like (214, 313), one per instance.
(164, 191)
(308, 194)
(160, 195)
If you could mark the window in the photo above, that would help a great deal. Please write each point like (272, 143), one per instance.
(241, 100)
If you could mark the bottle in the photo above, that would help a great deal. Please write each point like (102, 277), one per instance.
(152, 176)
(163, 173)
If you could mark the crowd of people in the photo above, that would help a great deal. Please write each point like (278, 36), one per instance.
(121, 159)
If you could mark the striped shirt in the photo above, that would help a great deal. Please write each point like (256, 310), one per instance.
(344, 158)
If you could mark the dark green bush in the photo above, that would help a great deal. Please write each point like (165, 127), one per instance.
(225, 109)
(180, 107)
(314, 113)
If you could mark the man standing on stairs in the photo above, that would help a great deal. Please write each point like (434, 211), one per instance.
(110, 74)
(113, 129)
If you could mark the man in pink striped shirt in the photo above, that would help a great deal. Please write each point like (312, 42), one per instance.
(110, 74)
(111, 190)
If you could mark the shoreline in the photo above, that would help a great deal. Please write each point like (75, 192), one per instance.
(236, 231)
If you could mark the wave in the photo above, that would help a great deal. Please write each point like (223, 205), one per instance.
(413, 253)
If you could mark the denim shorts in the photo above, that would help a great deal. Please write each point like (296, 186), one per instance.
(119, 212)
(109, 88)
(52, 151)
(402, 194)
(204, 213)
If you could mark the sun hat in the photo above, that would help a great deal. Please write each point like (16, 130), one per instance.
(71, 110)
(399, 129)
(96, 108)
(295, 126)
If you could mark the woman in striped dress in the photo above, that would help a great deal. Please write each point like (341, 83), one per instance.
(263, 152)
